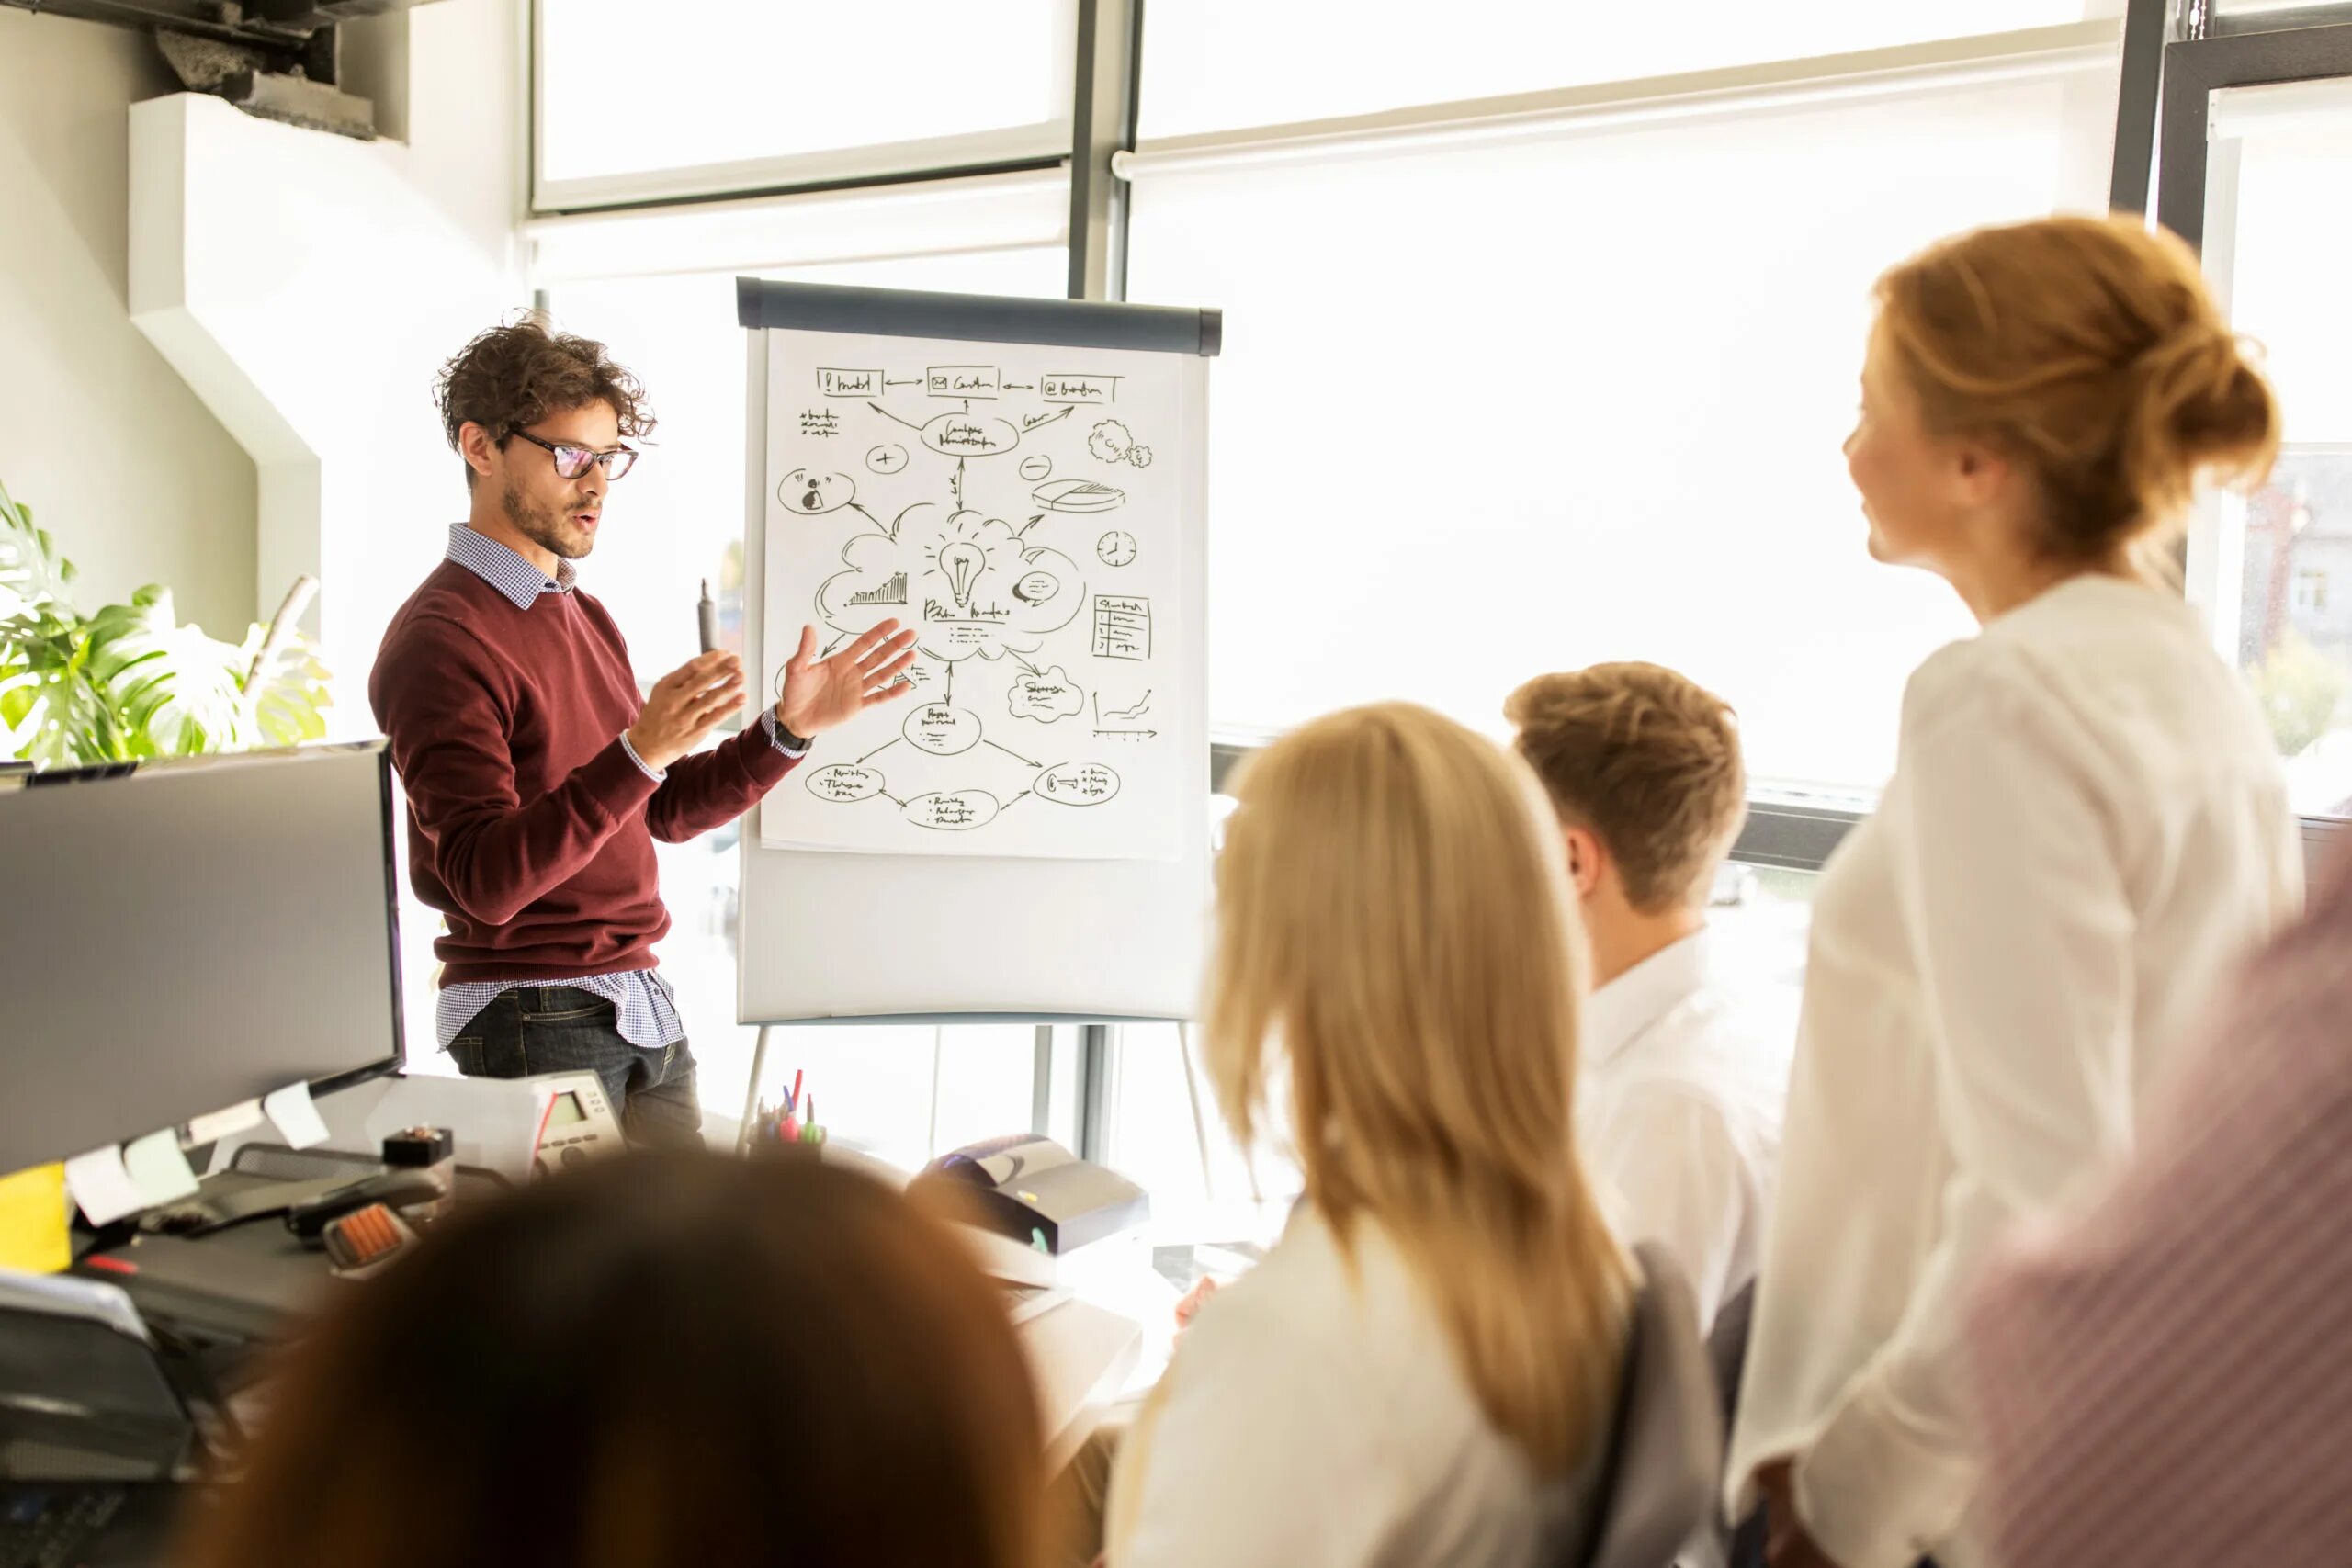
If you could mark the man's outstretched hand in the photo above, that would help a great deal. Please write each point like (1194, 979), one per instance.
(822, 693)
(684, 705)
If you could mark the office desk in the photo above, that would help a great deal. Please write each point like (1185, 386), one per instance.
(1079, 1356)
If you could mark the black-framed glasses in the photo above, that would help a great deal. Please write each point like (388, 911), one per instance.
(572, 460)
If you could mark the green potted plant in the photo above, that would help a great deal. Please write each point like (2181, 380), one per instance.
(130, 681)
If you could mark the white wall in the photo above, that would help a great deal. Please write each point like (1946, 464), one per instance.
(309, 286)
(118, 459)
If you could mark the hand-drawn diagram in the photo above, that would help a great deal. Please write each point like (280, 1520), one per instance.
(1045, 695)
(943, 729)
(1135, 709)
(804, 489)
(958, 528)
(1122, 627)
(981, 589)
(1112, 442)
(1077, 495)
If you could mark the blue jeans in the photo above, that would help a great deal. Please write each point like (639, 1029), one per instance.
(562, 1029)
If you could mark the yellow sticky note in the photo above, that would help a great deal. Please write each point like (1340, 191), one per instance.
(32, 1220)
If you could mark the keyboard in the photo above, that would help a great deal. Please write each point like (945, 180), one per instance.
(70, 1524)
(53, 1526)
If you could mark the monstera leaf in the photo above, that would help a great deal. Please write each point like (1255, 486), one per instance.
(52, 714)
(176, 691)
(284, 685)
(32, 574)
(173, 689)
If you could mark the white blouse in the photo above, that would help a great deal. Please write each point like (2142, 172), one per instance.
(1315, 1414)
(2087, 829)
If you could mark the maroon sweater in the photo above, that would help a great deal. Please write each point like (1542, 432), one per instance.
(530, 826)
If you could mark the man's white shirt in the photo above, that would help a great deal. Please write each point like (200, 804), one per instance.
(1679, 1099)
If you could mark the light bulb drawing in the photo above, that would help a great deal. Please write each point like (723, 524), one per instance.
(963, 562)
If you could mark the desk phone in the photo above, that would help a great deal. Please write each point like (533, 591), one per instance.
(579, 1125)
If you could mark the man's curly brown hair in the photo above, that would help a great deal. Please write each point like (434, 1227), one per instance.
(518, 374)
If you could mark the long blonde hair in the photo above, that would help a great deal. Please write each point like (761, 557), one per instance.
(2089, 349)
(1394, 924)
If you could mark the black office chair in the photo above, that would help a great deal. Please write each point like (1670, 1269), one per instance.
(1743, 1546)
(1665, 1441)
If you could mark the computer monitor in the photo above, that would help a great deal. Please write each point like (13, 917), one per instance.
(178, 937)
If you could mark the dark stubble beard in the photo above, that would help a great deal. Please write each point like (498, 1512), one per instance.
(545, 526)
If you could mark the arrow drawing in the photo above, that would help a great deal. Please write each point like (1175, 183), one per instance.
(1023, 532)
(879, 749)
(1038, 422)
(1022, 795)
(911, 425)
(1011, 753)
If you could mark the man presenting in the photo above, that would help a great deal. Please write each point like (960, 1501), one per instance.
(537, 779)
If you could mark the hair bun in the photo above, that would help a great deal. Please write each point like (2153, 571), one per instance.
(2091, 348)
(2198, 406)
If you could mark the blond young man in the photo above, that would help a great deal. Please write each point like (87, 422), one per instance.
(1682, 1085)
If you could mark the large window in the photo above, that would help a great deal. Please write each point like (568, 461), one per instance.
(1580, 395)
(1543, 331)
(689, 96)
(2275, 240)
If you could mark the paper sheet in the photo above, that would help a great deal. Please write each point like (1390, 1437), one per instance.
(1022, 516)
(158, 1169)
(221, 1123)
(101, 1186)
(296, 1119)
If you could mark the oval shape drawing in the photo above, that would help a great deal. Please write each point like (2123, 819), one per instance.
(1036, 588)
(1036, 465)
(886, 458)
(1078, 495)
(970, 435)
(942, 730)
(845, 781)
(1077, 783)
(814, 493)
(953, 811)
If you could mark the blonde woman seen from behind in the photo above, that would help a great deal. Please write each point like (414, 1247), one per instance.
(1422, 1369)
(2085, 832)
